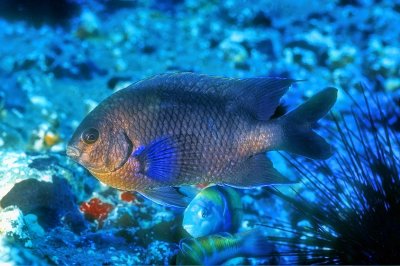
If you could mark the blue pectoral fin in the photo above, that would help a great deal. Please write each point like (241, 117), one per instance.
(167, 196)
(257, 171)
(166, 158)
(160, 160)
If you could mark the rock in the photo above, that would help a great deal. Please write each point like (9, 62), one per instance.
(340, 57)
(160, 252)
(12, 225)
(115, 5)
(261, 20)
(39, 12)
(392, 84)
(10, 138)
(149, 49)
(242, 66)
(116, 81)
(44, 186)
(52, 202)
(78, 70)
(12, 95)
(233, 49)
(266, 47)
(349, 2)
(34, 227)
(89, 25)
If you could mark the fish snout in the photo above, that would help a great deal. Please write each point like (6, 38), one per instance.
(73, 152)
(188, 228)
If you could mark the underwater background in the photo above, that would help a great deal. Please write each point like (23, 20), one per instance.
(59, 59)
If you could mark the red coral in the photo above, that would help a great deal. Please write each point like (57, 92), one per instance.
(96, 210)
(128, 196)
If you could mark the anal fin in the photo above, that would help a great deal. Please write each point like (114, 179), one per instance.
(256, 171)
(167, 196)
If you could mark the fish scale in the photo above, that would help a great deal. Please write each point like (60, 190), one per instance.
(184, 128)
(213, 145)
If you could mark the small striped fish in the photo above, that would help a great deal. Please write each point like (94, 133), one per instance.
(217, 249)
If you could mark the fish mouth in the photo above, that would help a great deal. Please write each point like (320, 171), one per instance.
(73, 153)
(188, 228)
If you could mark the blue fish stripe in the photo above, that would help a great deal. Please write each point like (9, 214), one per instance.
(227, 226)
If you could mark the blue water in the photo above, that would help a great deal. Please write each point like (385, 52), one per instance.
(59, 59)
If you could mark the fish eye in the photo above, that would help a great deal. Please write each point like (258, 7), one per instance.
(90, 135)
(203, 213)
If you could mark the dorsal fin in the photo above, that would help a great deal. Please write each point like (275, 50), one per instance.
(258, 96)
(189, 82)
(261, 96)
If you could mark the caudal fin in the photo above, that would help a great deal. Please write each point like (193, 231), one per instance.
(299, 136)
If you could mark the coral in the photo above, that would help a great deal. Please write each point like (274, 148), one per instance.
(50, 139)
(128, 196)
(96, 210)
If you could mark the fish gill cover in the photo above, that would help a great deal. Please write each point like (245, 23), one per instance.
(60, 59)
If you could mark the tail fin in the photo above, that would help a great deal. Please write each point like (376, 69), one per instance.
(299, 136)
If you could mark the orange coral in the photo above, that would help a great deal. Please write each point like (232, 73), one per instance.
(50, 139)
(128, 196)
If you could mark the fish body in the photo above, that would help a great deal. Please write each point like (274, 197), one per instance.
(185, 128)
(219, 248)
(215, 209)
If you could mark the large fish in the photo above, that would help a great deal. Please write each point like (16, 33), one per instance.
(181, 129)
